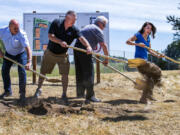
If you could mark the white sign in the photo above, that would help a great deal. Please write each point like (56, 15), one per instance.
(37, 25)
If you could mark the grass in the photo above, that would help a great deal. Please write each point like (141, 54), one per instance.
(118, 114)
(55, 72)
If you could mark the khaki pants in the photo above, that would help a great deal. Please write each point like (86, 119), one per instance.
(50, 60)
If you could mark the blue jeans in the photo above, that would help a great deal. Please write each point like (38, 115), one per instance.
(20, 58)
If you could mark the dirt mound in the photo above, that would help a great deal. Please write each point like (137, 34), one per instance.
(40, 110)
(44, 108)
(3, 108)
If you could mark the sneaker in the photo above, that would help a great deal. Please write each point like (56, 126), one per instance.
(6, 94)
(94, 99)
(38, 92)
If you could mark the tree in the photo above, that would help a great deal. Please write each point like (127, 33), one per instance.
(175, 22)
(173, 49)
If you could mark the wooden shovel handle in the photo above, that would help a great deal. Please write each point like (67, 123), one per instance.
(41, 75)
(97, 54)
(175, 61)
(115, 70)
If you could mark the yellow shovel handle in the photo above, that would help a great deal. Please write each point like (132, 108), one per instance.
(41, 75)
(175, 61)
(97, 54)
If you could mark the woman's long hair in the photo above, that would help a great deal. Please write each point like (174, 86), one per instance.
(153, 28)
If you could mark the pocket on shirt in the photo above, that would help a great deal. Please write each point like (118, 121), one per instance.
(16, 44)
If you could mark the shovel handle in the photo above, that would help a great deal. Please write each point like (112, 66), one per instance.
(41, 75)
(97, 54)
(175, 61)
(115, 70)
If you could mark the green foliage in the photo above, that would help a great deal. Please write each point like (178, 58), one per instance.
(175, 22)
(163, 64)
(172, 51)
(2, 49)
(119, 66)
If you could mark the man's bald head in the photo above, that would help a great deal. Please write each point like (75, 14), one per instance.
(14, 26)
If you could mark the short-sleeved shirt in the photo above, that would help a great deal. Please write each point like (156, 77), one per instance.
(57, 28)
(93, 34)
(141, 52)
(14, 44)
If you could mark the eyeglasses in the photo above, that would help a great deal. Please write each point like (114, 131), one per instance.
(104, 25)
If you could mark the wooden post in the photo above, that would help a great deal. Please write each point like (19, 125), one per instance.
(34, 62)
(98, 70)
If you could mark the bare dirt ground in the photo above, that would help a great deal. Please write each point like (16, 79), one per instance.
(119, 113)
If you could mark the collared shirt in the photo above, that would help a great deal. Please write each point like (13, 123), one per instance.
(93, 34)
(57, 28)
(140, 51)
(14, 44)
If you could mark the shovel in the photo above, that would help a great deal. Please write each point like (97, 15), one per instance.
(41, 75)
(175, 61)
(131, 62)
(139, 84)
(97, 54)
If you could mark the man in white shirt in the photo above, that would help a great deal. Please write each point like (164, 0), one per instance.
(17, 47)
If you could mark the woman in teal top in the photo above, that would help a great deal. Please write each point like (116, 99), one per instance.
(142, 38)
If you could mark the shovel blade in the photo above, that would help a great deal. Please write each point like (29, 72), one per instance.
(53, 80)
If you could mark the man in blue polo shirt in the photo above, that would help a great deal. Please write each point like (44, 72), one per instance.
(16, 45)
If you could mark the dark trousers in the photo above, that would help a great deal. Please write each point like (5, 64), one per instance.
(20, 58)
(84, 74)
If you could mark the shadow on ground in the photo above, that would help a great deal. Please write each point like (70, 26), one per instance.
(121, 101)
(50, 105)
(125, 118)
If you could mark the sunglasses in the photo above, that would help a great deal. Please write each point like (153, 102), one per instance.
(103, 24)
